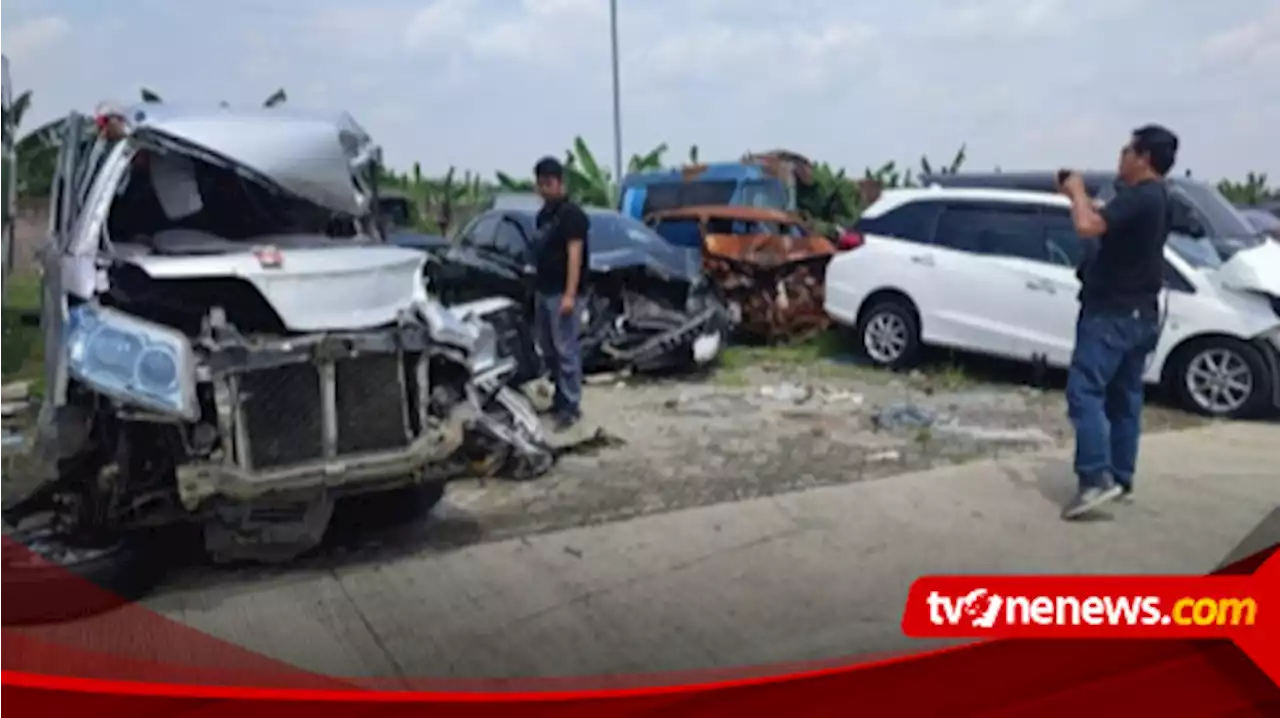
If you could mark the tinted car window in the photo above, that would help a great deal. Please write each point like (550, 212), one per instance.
(610, 232)
(480, 232)
(914, 222)
(510, 240)
(1062, 244)
(1006, 231)
(677, 195)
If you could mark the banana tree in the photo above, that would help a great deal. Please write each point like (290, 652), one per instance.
(652, 160)
(1253, 190)
(585, 180)
(926, 168)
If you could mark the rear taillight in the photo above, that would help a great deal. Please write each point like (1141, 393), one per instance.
(848, 241)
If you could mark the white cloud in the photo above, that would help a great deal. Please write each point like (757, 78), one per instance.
(438, 24)
(1254, 43)
(29, 38)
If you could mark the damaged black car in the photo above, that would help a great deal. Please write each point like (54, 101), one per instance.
(646, 306)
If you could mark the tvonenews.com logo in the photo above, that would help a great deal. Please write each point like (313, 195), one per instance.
(981, 608)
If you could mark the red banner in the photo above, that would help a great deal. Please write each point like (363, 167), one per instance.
(1027, 676)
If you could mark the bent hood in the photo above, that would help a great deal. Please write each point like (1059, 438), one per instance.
(667, 261)
(316, 157)
(314, 289)
(1256, 269)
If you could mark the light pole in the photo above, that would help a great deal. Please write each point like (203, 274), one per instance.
(617, 102)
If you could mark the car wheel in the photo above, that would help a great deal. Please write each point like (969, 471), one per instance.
(1222, 378)
(889, 333)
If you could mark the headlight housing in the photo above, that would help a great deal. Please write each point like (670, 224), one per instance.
(132, 360)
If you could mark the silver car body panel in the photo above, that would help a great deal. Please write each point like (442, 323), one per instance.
(315, 289)
(316, 156)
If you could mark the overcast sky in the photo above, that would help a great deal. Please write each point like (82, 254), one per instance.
(493, 84)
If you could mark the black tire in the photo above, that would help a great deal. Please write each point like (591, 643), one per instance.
(897, 310)
(1262, 381)
(39, 590)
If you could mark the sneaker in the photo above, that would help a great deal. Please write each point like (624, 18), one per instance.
(1126, 493)
(1090, 499)
(566, 420)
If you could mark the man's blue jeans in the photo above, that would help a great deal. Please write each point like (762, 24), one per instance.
(557, 336)
(1105, 392)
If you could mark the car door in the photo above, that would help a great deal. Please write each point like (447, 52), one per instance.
(975, 293)
(64, 201)
(1044, 263)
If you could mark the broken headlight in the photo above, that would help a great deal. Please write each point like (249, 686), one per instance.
(132, 360)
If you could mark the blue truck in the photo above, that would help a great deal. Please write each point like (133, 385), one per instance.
(765, 181)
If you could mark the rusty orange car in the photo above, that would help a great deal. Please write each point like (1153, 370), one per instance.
(767, 263)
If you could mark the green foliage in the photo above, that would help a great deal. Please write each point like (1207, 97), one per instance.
(1253, 190)
(22, 348)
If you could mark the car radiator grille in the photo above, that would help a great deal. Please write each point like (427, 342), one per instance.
(282, 415)
(372, 414)
(283, 410)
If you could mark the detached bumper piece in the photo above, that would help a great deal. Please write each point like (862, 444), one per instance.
(648, 336)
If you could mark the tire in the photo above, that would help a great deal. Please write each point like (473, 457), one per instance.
(1245, 363)
(882, 315)
(41, 590)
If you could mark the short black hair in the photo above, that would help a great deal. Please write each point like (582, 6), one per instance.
(549, 167)
(1159, 144)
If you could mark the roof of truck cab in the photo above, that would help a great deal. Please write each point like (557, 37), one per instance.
(746, 214)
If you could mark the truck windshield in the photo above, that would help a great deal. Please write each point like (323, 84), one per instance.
(768, 194)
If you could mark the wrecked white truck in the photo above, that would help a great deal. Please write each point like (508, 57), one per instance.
(231, 342)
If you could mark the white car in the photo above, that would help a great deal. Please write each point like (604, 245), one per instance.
(993, 272)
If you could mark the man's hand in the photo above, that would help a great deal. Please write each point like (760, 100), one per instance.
(566, 304)
(1072, 185)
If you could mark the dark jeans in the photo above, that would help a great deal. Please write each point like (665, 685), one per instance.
(1105, 391)
(558, 340)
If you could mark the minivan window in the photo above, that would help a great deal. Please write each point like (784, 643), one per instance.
(1010, 231)
(914, 222)
(1062, 243)
(1221, 219)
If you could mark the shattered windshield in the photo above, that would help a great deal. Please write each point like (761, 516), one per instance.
(620, 240)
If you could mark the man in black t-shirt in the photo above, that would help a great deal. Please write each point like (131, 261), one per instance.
(1119, 323)
(561, 254)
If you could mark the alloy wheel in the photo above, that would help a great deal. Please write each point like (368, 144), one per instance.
(886, 337)
(1219, 380)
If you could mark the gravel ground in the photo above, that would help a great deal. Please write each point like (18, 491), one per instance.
(755, 428)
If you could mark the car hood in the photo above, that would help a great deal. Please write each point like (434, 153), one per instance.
(1256, 269)
(313, 289)
(315, 157)
(665, 260)
(416, 240)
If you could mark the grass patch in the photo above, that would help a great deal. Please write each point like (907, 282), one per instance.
(826, 355)
(23, 347)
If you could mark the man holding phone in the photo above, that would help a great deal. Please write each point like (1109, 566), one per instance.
(1119, 322)
(561, 256)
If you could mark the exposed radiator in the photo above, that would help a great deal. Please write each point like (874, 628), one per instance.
(372, 413)
(283, 410)
(282, 414)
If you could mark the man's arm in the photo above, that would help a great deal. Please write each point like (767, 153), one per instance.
(575, 232)
(1091, 222)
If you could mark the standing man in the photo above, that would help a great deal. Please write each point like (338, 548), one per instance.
(562, 252)
(1119, 323)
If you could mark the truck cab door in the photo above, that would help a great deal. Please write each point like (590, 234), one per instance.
(64, 203)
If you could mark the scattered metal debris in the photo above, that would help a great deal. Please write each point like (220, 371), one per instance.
(904, 416)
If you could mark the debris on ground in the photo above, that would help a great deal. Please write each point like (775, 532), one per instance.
(788, 392)
(904, 416)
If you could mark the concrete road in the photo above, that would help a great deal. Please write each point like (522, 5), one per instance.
(805, 575)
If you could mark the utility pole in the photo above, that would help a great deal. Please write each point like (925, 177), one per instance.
(617, 103)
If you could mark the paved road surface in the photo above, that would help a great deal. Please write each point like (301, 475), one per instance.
(805, 575)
